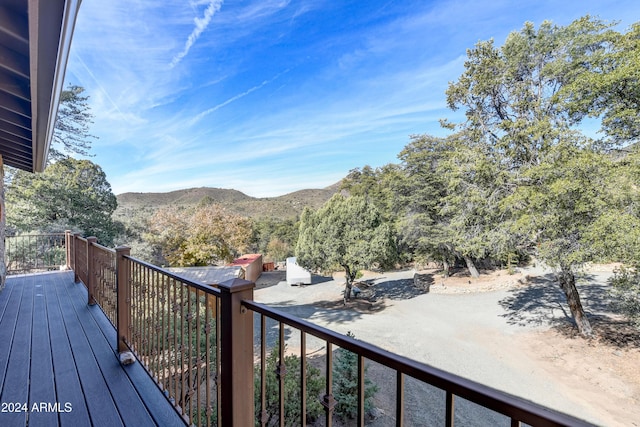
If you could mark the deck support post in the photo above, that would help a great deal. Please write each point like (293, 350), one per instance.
(68, 249)
(236, 344)
(76, 277)
(123, 290)
(91, 277)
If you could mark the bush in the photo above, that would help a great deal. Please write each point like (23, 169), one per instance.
(626, 292)
(315, 385)
(345, 384)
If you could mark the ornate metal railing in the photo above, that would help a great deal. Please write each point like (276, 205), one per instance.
(198, 343)
(174, 332)
(81, 260)
(30, 253)
(102, 287)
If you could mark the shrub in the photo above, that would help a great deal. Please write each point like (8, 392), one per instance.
(315, 385)
(345, 384)
(625, 292)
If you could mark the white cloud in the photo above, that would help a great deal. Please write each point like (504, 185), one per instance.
(201, 24)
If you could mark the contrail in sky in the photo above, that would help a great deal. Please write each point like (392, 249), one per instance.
(201, 25)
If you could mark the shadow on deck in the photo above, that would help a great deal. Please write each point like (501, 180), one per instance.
(58, 361)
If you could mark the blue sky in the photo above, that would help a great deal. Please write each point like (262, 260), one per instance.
(273, 96)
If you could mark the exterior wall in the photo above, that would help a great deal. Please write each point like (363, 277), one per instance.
(252, 266)
(254, 270)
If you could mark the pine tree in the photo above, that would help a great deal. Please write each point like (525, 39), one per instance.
(345, 384)
(292, 366)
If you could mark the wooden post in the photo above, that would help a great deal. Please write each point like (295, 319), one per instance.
(91, 277)
(67, 248)
(123, 291)
(76, 278)
(236, 344)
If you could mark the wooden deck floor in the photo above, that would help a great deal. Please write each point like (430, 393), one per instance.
(58, 364)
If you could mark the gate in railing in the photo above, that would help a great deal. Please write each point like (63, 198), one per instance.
(198, 343)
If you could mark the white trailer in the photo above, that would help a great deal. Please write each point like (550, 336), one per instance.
(297, 275)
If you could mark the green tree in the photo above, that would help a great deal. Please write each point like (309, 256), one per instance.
(275, 237)
(379, 185)
(345, 233)
(292, 366)
(69, 194)
(71, 134)
(345, 384)
(625, 291)
(605, 82)
(424, 227)
(513, 105)
(452, 190)
(199, 236)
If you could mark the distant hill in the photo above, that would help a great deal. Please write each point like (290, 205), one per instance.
(287, 206)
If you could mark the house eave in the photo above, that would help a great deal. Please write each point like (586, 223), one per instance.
(35, 38)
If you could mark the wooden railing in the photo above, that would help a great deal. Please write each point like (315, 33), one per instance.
(198, 343)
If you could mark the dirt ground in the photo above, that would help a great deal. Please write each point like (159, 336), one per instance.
(535, 352)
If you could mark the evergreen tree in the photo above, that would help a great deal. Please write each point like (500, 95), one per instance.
(69, 194)
(292, 366)
(345, 384)
(514, 105)
(345, 233)
(71, 134)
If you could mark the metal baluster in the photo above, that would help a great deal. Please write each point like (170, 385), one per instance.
(361, 391)
(450, 410)
(303, 379)
(281, 371)
(328, 401)
(263, 371)
(399, 399)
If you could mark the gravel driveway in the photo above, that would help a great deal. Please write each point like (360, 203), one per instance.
(473, 335)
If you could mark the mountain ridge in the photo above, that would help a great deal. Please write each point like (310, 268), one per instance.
(287, 206)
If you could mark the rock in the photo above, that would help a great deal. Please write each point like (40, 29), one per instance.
(376, 413)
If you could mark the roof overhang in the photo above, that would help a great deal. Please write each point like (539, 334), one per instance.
(35, 38)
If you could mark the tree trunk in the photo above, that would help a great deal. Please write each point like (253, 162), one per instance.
(3, 223)
(567, 281)
(349, 276)
(472, 267)
(445, 268)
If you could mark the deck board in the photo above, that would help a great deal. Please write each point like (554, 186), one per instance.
(162, 414)
(10, 304)
(126, 398)
(56, 349)
(16, 385)
(68, 387)
(102, 408)
(42, 387)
